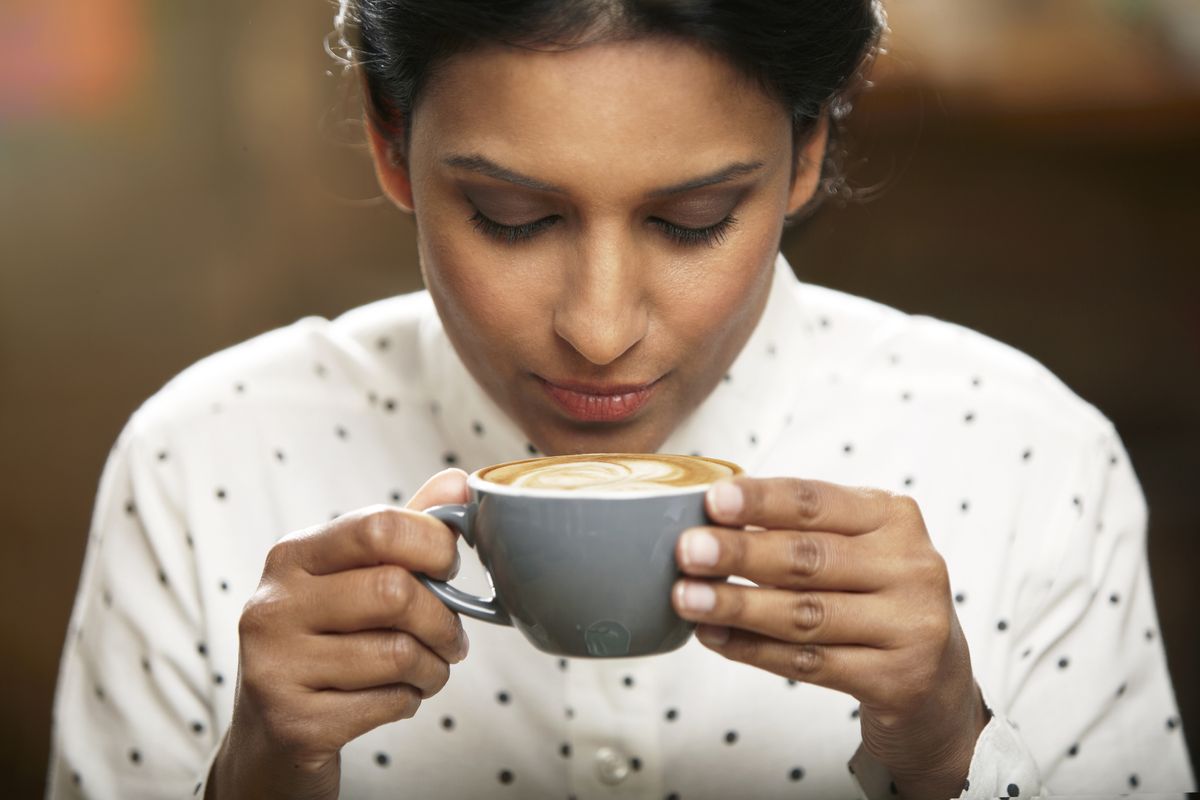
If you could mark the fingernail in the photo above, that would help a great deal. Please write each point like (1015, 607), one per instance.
(700, 548)
(697, 596)
(454, 569)
(712, 634)
(725, 498)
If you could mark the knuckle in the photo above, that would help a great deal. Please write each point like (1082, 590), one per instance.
(377, 527)
(402, 652)
(375, 509)
(808, 613)
(806, 558)
(933, 572)
(251, 624)
(921, 568)
(730, 605)
(393, 586)
(445, 552)
(440, 679)
(262, 643)
(260, 613)
(407, 700)
(731, 547)
(934, 627)
(806, 500)
(905, 508)
(806, 660)
(452, 629)
(279, 556)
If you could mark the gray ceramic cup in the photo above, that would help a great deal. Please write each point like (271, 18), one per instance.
(580, 573)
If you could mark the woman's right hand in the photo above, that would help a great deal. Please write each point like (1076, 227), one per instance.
(338, 639)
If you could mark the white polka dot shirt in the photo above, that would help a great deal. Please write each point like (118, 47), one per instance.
(1026, 490)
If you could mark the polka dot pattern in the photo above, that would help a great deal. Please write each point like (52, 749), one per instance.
(990, 453)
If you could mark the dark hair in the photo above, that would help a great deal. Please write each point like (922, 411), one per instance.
(808, 54)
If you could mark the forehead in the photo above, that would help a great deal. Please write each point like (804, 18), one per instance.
(639, 111)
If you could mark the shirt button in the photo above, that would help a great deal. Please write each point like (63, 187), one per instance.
(611, 766)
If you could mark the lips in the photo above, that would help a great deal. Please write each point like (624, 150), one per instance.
(599, 403)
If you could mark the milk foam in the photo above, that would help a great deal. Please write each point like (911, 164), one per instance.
(615, 473)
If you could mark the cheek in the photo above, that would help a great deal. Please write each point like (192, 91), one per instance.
(718, 308)
(481, 300)
(709, 321)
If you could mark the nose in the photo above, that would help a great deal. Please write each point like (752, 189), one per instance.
(602, 312)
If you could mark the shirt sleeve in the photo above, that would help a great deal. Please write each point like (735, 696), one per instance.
(133, 712)
(1084, 702)
(1086, 682)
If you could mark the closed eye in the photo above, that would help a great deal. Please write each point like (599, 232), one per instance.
(512, 234)
(712, 235)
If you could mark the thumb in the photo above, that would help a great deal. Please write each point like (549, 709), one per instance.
(447, 486)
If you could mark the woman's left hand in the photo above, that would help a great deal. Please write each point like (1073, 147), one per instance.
(850, 595)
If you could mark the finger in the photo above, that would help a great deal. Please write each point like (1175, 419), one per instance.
(798, 504)
(845, 668)
(348, 662)
(358, 712)
(386, 597)
(374, 535)
(785, 559)
(447, 486)
(789, 616)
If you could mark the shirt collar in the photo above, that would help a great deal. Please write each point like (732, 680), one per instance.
(737, 421)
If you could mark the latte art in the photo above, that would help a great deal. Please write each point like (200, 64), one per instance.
(611, 472)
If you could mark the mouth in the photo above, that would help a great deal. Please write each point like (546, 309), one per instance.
(599, 402)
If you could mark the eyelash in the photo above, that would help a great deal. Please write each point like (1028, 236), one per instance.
(511, 234)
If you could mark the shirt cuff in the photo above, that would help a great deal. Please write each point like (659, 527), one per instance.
(1001, 766)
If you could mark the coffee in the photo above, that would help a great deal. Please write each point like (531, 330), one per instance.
(610, 472)
(580, 550)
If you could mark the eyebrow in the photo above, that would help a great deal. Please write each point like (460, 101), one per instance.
(484, 166)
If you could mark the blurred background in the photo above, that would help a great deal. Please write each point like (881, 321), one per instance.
(177, 177)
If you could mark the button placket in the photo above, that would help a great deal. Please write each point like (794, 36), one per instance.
(614, 727)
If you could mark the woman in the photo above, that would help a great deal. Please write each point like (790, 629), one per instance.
(600, 190)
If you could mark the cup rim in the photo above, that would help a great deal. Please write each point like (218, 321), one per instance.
(474, 481)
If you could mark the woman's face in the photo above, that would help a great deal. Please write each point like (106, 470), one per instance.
(597, 228)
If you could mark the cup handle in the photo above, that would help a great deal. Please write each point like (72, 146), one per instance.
(488, 609)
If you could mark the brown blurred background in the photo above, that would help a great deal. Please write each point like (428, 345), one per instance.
(176, 177)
